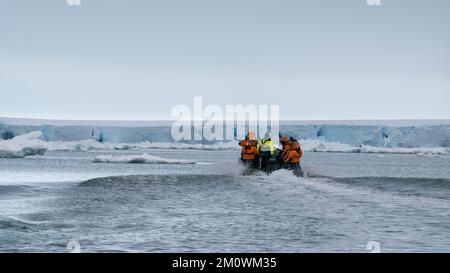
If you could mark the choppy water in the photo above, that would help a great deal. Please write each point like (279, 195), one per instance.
(347, 200)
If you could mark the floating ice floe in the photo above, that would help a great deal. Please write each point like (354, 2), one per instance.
(314, 145)
(142, 159)
(23, 145)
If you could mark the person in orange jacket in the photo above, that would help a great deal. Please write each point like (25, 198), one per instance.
(293, 154)
(249, 149)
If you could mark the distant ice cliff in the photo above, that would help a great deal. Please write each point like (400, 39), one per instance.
(420, 139)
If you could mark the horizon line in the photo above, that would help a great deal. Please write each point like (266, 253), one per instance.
(140, 123)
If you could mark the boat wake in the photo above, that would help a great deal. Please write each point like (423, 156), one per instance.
(140, 159)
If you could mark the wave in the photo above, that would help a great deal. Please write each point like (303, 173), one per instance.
(131, 180)
(438, 188)
(142, 159)
(14, 189)
(277, 175)
(8, 223)
(377, 189)
(374, 180)
(401, 184)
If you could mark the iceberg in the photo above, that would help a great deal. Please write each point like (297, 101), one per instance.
(142, 159)
(23, 145)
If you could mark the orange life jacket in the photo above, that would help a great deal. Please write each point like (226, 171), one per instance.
(293, 153)
(293, 157)
(249, 150)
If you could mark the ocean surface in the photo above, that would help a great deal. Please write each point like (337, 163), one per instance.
(400, 201)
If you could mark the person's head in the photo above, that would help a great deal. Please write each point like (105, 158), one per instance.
(267, 136)
(284, 140)
(251, 136)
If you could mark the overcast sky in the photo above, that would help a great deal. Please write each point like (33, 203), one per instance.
(317, 59)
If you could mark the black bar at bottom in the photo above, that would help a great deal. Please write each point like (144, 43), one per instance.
(216, 262)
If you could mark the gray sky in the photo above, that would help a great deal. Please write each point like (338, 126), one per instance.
(317, 59)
